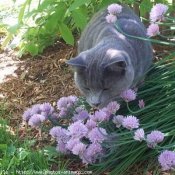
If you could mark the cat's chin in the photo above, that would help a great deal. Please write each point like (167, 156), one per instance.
(103, 105)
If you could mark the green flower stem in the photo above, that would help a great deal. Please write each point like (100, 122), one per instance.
(144, 39)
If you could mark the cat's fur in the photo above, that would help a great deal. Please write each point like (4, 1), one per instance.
(108, 62)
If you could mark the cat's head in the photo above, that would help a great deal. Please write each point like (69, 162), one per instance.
(102, 74)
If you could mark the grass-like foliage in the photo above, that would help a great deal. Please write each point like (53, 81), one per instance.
(158, 114)
(21, 156)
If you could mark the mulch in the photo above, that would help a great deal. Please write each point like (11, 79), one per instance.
(39, 79)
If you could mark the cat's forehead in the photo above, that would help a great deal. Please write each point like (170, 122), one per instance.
(94, 75)
(110, 53)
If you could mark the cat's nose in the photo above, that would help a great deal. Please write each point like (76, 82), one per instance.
(96, 104)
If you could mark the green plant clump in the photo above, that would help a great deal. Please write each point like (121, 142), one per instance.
(40, 23)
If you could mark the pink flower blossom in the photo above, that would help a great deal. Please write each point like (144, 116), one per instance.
(114, 9)
(118, 120)
(79, 148)
(153, 30)
(61, 148)
(113, 107)
(97, 135)
(36, 120)
(92, 153)
(130, 122)
(63, 113)
(157, 12)
(98, 116)
(58, 132)
(94, 149)
(167, 160)
(153, 138)
(46, 109)
(87, 159)
(77, 130)
(128, 95)
(36, 109)
(81, 115)
(64, 104)
(27, 114)
(71, 143)
(110, 18)
(54, 116)
(139, 135)
(141, 104)
(90, 124)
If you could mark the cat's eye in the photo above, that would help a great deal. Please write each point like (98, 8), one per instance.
(105, 89)
(87, 88)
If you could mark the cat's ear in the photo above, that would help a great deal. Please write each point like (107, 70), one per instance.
(78, 62)
(116, 65)
(117, 60)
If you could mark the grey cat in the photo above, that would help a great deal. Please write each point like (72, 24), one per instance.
(109, 62)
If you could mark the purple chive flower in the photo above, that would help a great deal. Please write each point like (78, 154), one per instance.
(79, 148)
(118, 120)
(87, 159)
(82, 115)
(71, 143)
(91, 153)
(110, 18)
(113, 107)
(114, 9)
(58, 132)
(107, 113)
(97, 135)
(153, 30)
(36, 120)
(141, 104)
(46, 109)
(167, 160)
(157, 12)
(130, 122)
(61, 147)
(66, 102)
(94, 149)
(111, 141)
(54, 116)
(98, 116)
(139, 135)
(77, 130)
(90, 124)
(79, 109)
(63, 113)
(27, 114)
(153, 138)
(36, 109)
(62, 103)
(128, 95)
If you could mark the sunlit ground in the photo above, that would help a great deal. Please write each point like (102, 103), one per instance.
(7, 67)
(7, 64)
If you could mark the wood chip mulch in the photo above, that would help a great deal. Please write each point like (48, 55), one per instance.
(39, 79)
